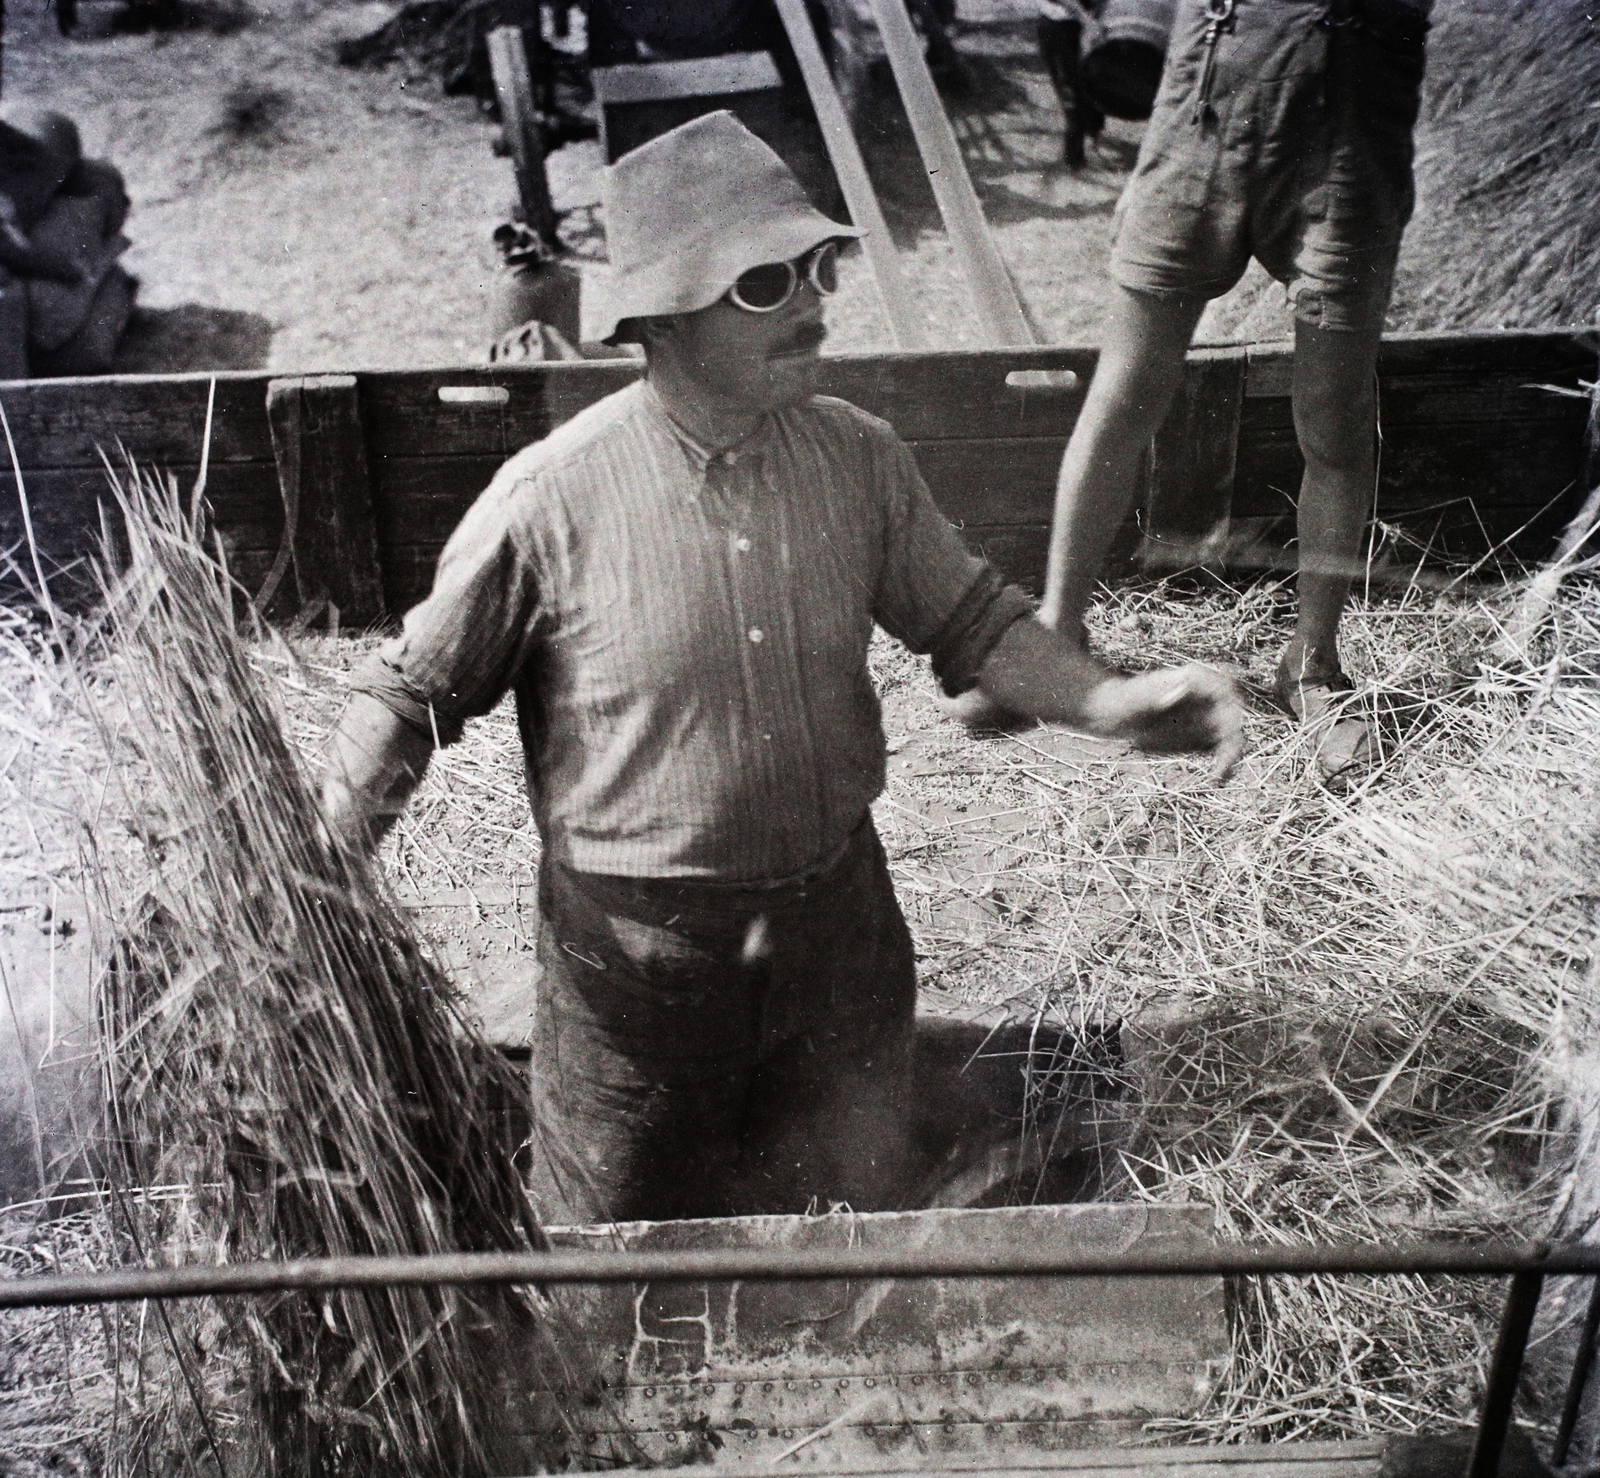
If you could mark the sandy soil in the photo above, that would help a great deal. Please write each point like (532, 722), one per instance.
(350, 227)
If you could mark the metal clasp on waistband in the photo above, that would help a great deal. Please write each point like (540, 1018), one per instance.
(1219, 18)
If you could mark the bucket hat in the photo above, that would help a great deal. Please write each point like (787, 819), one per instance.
(690, 211)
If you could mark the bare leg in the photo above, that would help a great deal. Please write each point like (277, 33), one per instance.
(1334, 419)
(1141, 367)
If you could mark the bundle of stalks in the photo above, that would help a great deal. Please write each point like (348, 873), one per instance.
(279, 1042)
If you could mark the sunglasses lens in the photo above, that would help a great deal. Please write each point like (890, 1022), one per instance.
(764, 287)
(825, 269)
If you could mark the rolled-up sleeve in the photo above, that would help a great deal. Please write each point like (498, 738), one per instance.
(933, 594)
(460, 650)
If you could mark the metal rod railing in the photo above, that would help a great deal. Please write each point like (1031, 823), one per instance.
(1527, 1264)
(1572, 1407)
(1494, 1420)
(777, 1264)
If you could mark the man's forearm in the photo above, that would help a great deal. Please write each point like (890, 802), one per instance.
(1036, 671)
(375, 762)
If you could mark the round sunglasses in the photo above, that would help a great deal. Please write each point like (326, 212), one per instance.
(766, 288)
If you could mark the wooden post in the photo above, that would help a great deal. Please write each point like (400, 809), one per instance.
(513, 87)
(904, 324)
(995, 296)
(330, 535)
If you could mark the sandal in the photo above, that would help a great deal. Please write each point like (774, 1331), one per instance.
(1342, 738)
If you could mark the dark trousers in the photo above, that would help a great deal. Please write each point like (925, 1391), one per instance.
(714, 1049)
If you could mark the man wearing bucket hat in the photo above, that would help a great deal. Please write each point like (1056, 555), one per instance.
(679, 585)
(1282, 131)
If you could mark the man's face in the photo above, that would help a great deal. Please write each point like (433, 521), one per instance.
(753, 361)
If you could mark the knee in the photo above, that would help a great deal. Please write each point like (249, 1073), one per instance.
(102, 180)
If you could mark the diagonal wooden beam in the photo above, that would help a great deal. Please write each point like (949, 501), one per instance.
(865, 211)
(994, 294)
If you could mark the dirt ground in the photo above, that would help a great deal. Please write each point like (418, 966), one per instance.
(344, 220)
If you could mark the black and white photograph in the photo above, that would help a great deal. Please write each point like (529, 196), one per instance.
(848, 737)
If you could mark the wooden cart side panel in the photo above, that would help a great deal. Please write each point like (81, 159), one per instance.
(1475, 450)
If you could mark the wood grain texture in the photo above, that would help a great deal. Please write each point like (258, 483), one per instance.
(923, 396)
(321, 452)
(158, 420)
(1193, 459)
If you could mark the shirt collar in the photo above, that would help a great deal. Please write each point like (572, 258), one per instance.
(699, 455)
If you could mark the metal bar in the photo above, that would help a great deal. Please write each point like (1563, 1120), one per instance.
(995, 296)
(1581, 1366)
(851, 169)
(767, 1264)
(1522, 1301)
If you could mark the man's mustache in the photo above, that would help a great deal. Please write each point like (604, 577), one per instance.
(807, 336)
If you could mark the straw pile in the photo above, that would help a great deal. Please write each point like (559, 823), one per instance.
(281, 1046)
(1355, 1015)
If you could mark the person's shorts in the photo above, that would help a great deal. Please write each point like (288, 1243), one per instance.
(1301, 158)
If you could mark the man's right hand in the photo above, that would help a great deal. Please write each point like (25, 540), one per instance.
(1038, 672)
(375, 761)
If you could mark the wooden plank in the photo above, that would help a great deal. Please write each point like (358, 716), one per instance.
(845, 154)
(513, 88)
(331, 544)
(1018, 551)
(1547, 355)
(875, 1372)
(929, 396)
(1448, 400)
(994, 295)
(405, 416)
(707, 76)
(1357, 1458)
(956, 394)
(66, 504)
(408, 574)
(1194, 457)
(158, 419)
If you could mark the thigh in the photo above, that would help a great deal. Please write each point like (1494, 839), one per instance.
(828, 1119)
(1346, 260)
(644, 1044)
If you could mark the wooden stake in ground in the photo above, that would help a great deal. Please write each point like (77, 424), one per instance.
(999, 310)
(851, 169)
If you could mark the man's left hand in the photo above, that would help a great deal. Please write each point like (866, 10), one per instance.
(1038, 672)
(1172, 711)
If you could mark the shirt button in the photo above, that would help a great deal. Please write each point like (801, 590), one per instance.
(757, 635)
(742, 544)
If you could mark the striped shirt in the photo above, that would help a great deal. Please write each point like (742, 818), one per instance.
(686, 633)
